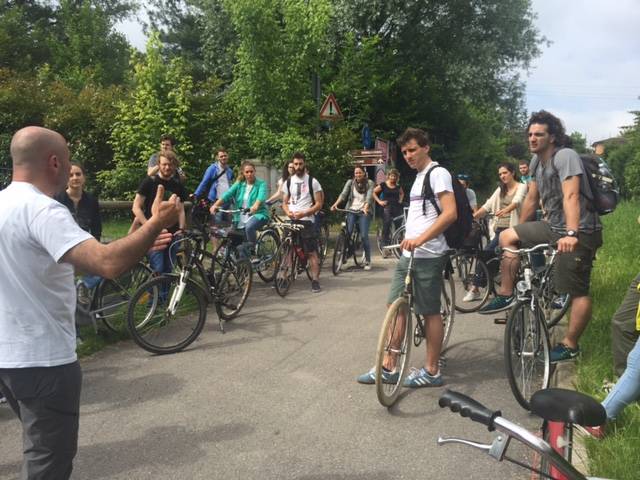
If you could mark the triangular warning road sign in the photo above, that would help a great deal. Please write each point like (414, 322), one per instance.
(330, 109)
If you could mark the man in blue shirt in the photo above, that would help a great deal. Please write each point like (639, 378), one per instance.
(217, 179)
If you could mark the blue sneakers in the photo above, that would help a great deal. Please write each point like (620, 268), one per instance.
(562, 353)
(498, 304)
(421, 378)
(369, 378)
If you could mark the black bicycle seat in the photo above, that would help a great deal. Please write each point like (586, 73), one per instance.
(560, 405)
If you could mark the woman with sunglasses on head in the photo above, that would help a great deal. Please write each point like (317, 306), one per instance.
(287, 171)
(358, 195)
(505, 205)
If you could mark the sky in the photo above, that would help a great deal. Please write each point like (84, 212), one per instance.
(588, 76)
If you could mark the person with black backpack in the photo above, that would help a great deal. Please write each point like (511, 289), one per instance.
(432, 211)
(571, 221)
(302, 200)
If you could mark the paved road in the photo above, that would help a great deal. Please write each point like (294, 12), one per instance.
(275, 397)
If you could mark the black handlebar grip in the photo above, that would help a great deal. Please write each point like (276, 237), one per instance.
(468, 407)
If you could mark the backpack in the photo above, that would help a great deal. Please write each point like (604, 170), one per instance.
(604, 192)
(313, 200)
(455, 233)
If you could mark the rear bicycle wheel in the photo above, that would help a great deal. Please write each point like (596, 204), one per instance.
(113, 296)
(471, 279)
(398, 237)
(526, 352)
(166, 315)
(286, 269)
(339, 253)
(234, 288)
(380, 241)
(392, 353)
(266, 249)
(323, 242)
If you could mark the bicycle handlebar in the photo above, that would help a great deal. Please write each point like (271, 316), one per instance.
(468, 407)
(348, 210)
(237, 210)
(519, 251)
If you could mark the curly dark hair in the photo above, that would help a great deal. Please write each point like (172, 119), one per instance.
(511, 168)
(553, 123)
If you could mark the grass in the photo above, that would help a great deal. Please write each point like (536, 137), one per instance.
(617, 264)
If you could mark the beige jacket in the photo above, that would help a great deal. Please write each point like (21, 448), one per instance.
(493, 205)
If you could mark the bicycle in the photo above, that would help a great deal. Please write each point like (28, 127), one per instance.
(475, 270)
(397, 223)
(397, 333)
(526, 336)
(348, 244)
(168, 312)
(559, 409)
(233, 241)
(291, 259)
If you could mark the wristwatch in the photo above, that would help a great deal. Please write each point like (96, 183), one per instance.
(572, 233)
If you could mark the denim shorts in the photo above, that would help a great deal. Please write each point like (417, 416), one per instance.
(572, 272)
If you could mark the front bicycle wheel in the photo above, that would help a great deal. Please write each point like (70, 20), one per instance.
(471, 279)
(339, 253)
(398, 237)
(358, 247)
(233, 288)
(394, 347)
(166, 314)
(113, 296)
(526, 351)
(554, 305)
(286, 269)
(266, 249)
(447, 309)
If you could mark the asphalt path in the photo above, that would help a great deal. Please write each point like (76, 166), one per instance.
(275, 397)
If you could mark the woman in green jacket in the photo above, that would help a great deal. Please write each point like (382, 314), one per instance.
(248, 192)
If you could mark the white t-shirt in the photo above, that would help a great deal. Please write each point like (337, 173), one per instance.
(417, 222)
(300, 197)
(223, 183)
(357, 199)
(37, 294)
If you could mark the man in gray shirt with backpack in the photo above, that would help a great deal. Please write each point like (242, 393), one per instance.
(571, 221)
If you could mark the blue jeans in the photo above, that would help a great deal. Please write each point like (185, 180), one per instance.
(91, 281)
(251, 228)
(627, 389)
(363, 222)
(162, 261)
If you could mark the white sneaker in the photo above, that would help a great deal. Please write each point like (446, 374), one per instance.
(471, 296)
(367, 266)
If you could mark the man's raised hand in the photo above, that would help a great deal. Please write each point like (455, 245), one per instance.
(165, 212)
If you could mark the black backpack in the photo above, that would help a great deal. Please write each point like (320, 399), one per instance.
(455, 233)
(604, 192)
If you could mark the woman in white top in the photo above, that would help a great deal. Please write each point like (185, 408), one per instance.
(358, 195)
(505, 205)
(287, 171)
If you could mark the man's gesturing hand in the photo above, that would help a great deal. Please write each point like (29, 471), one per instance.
(166, 213)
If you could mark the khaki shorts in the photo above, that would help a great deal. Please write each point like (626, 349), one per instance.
(427, 283)
(572, 272)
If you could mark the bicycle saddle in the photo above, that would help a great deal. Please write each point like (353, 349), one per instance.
(560, 405)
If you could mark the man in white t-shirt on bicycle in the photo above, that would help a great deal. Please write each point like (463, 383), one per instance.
(424, 235)
(299, 203)
(40, 244)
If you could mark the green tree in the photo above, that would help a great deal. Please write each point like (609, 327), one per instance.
(159, 103)
(579, 142)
